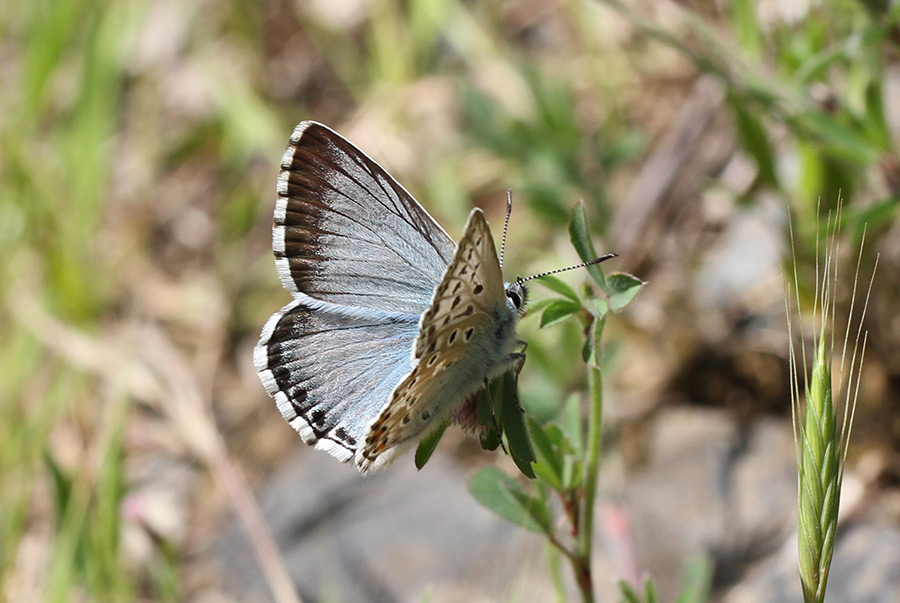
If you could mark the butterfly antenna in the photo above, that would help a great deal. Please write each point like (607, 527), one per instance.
(505, 225)
(602, 258)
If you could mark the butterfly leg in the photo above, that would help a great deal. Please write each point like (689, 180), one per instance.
(517, 359)
(487, 390)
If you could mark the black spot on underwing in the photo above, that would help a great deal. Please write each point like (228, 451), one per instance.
(317, 417)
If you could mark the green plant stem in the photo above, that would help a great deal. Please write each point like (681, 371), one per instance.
(585, 526)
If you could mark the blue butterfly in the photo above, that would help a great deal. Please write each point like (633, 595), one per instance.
(392, 325)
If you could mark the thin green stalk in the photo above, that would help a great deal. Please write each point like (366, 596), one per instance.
(591, 464)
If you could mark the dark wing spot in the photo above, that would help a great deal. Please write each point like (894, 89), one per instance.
(317, 417)
(455, 303)
(432, 360)
(452, 337)
(340, 433)
(426, 415)
(468, 310)
(468, 333)
(406, 419)
(478, 289)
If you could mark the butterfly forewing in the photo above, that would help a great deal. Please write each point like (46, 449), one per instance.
(346, 232)
(465, 337)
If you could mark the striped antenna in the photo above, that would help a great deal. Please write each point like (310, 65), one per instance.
(505, 225)
(602, 258)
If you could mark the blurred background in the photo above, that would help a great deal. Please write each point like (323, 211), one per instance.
(139, 146)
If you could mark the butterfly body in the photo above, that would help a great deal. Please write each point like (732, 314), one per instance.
(392, 325)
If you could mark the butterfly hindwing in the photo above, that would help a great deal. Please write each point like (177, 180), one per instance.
(331, 370)
(347, 233)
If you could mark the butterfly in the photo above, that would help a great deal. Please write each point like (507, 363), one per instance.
(392, 326)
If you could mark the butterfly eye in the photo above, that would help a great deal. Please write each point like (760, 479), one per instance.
(516, 294)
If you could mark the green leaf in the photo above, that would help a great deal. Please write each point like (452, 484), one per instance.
(555, 284)
(756, 142)
(628, 594)
(697, 580)
(545, 475)
(874, 214)
(489, 418)
(876, 126)
(549, 463)
(558, 311)
(581, 240)
(511, 420)
(622, 288)
(539, 304)
(490, 440)
(504, 496)
(559, 464)
(747, 28)
(517, 437)
(428, 444)
(62, 485)
(587, 350)
(650, 591)
(840, 139)
(597, 307)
